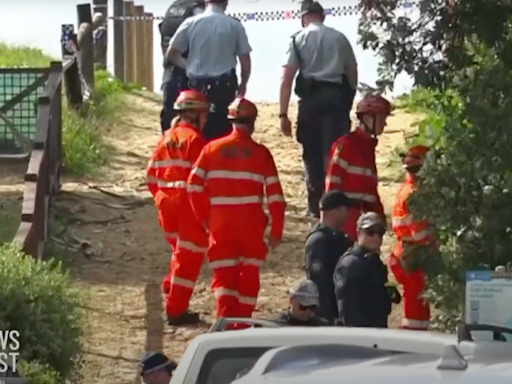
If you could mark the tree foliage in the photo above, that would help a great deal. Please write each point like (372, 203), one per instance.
(462, 52)
(429, 43)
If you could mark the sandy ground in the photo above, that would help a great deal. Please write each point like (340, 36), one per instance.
(122, 255)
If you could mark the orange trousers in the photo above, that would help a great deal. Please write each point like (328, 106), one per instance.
(236, 254)
(416, 311)
(189, 248)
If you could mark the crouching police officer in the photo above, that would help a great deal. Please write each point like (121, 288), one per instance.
(362, 290)
(324, 246)
(303, 306)
(174, 79)
(325, 86)
(214, 40)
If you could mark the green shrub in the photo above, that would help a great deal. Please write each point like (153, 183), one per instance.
(84, 146)
(435, 106)
(37, 373)
(467, 182)
(39, 301)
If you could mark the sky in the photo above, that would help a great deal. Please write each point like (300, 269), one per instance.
(38, 23)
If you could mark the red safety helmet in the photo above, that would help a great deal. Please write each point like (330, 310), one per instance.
(242, 108)
(374, 104)
(415, 156)
(191, 100)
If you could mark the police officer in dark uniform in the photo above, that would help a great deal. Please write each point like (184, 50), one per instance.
(303, 306)
(214, 41)
(326, 85)
(156, 368)
(174, 79)
(363, 293)
(325, 244)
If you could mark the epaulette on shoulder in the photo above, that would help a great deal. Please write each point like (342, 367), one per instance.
(295, 34)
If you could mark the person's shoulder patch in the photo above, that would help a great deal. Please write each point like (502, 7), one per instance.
(316, 266)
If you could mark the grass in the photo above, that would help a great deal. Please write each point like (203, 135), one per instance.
(9, 218)
(22, 56)
(83, 135)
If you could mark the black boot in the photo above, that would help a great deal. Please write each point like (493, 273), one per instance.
(185, 318)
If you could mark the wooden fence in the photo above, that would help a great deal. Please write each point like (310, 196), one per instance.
(82, 52)
(133, 44)
(42, 178)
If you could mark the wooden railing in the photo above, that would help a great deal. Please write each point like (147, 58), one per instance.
(133, 63)
(42, 179)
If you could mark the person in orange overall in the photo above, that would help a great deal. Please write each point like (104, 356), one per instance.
(167, 175)
(226, 188)
(352, 167)
(410, 232)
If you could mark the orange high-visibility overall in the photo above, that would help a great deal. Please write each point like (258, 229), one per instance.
(353, 171)
(167, 175)
(416, 311)
(226, 188)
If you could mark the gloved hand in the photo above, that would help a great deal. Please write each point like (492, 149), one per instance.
(166, 284)
(393, 293)
(339, 323)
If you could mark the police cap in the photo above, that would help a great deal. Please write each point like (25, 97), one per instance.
(368, 220)
(310, 6)
(334, 199)
(306, 292)
(156, 361)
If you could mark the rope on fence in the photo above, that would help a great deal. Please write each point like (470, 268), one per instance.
(275, 15)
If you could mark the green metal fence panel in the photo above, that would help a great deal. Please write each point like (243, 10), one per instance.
(23, 115)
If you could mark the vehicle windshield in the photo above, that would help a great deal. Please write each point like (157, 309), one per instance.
(224, 365)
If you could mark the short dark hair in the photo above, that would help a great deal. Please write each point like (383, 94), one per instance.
(310, 7)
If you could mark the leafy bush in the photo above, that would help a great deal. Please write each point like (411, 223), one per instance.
(39, 301)
(462, 50)
(435, 106)
(37, 373)
(467, 183)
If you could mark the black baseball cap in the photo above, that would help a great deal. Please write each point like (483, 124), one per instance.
(334, 199)
(309, 6)
(156, 361)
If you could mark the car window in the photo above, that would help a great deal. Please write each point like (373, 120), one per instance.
(223, 365)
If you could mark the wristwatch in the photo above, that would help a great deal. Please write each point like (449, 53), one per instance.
(283, 115)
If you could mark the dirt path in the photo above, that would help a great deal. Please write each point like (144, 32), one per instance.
(122, 267)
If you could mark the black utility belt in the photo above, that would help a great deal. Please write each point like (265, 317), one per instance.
(305, 86)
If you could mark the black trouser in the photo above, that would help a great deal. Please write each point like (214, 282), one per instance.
(171, 88)
(324, 116)
(220, 92)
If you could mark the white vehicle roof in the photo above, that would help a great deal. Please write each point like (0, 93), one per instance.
(326, 364)
(414, 342)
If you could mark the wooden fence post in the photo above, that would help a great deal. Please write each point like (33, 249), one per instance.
(86, 44)
(100, 7)
(119, 68)
(71, 76)
(129, 42)
(149, 51)
(140, 62)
